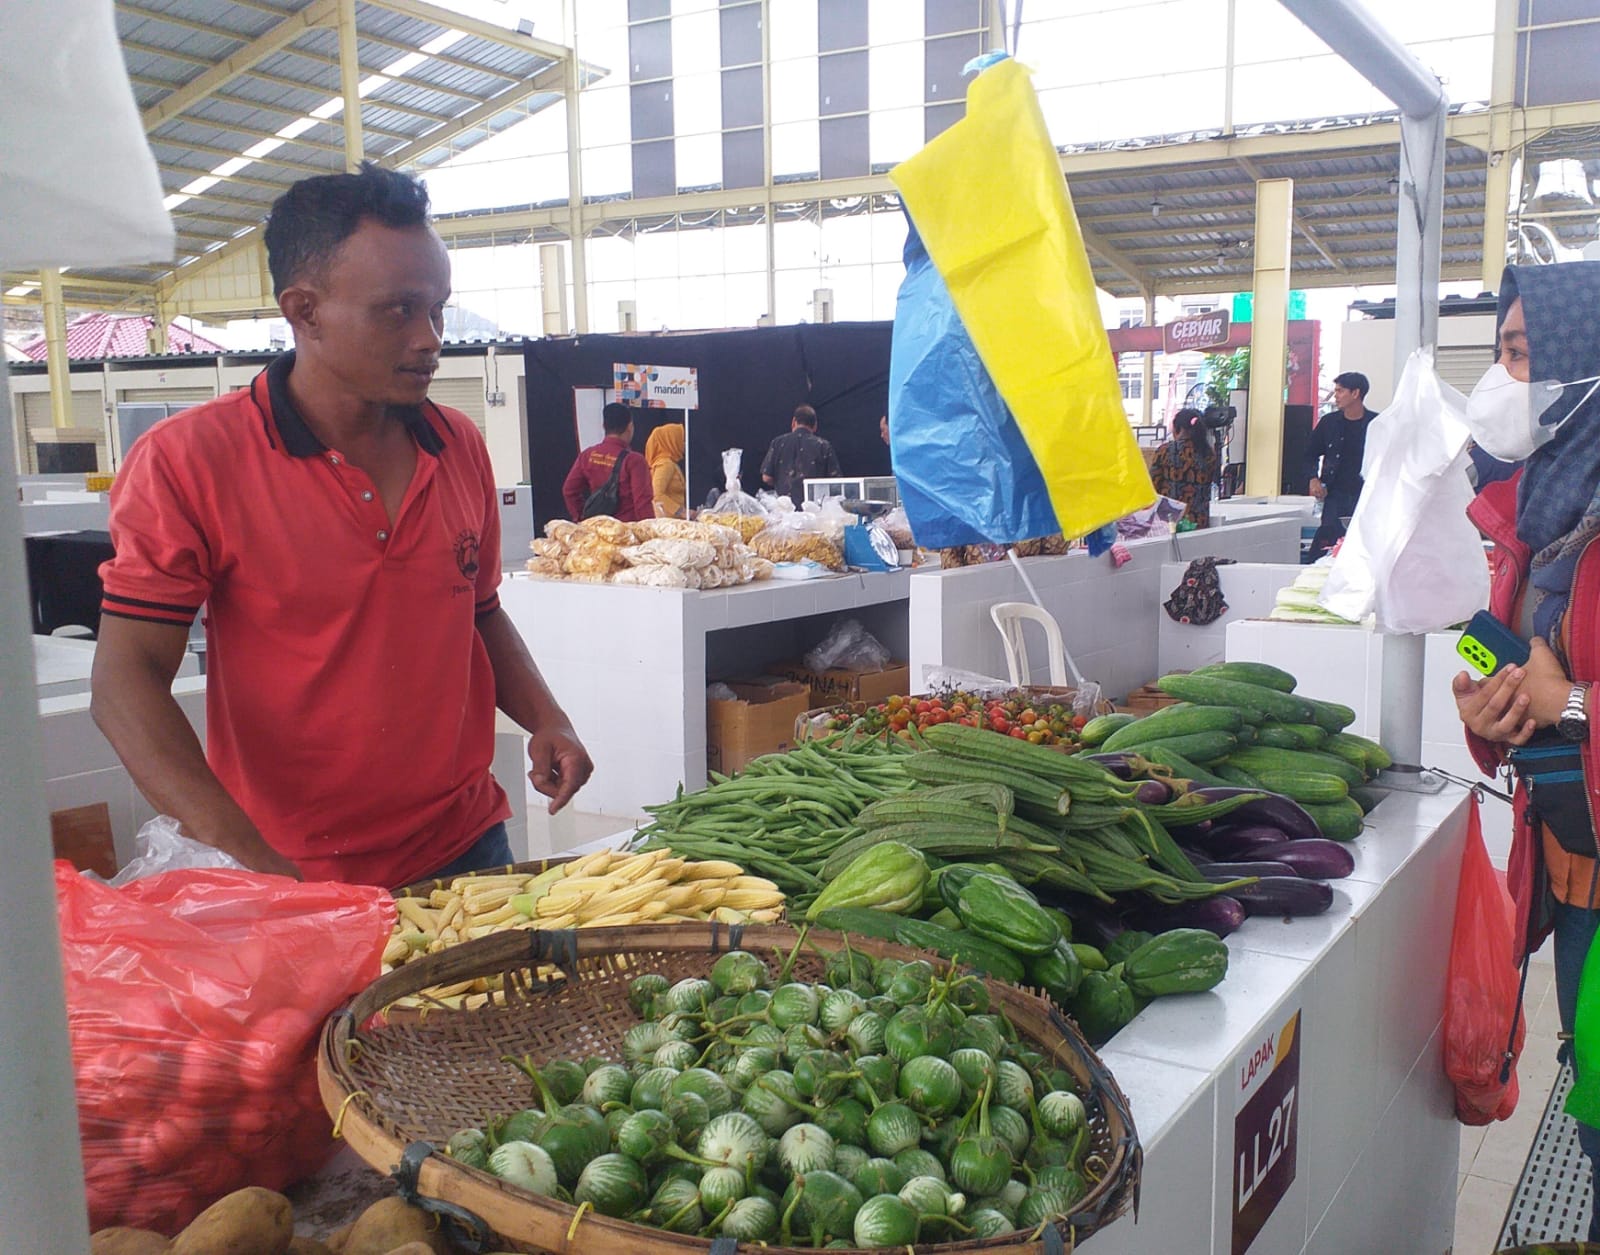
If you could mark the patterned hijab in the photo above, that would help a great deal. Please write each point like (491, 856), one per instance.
(1558, 502)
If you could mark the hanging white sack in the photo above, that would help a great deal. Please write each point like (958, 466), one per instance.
(1411, 556)
(80, 184)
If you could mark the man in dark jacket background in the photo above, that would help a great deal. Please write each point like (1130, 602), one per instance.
(1333, 458)
(797, 456)
(636, 498)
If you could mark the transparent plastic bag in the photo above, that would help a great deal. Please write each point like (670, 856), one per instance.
(194, 1000)
(161, 846)
(797, 537)
(734, 499)
(849, 645)
(834, 518)
(899, 528)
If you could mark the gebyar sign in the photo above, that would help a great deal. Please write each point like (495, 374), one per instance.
(1266, 1127)
(1198, 331)
(657, 387)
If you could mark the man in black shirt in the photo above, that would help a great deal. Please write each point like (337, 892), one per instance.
(798, 456)
(1333, 458)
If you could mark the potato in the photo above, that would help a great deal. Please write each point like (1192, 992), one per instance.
(120, 1241)
(308, 1246)
(392, 1222)
(251, 1221)
(339, 1238)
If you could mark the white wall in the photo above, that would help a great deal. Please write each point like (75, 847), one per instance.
(1108, 616)
(1367, 345)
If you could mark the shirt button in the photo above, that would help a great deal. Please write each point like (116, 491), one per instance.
(366, 496)
(334, 458)
(383, 535)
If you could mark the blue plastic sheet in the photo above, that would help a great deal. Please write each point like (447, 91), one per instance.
(965, 472)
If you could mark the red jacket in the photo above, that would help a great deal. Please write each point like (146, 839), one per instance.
(1494, 511)
(636, 498)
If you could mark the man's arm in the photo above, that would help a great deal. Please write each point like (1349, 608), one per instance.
(832, 461)
(560, 765)
(132, 704)
(575, 490)
(1315, 447)
(769, 463)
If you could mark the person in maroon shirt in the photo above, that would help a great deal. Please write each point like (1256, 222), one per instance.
(635, 496)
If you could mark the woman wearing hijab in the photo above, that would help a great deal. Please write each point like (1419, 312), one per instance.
(1539, 403)
(664, 452)
(1186, 466)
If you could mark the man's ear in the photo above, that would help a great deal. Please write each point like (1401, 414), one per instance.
(299, 306)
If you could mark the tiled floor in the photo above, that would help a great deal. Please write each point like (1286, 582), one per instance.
(1492, 1157)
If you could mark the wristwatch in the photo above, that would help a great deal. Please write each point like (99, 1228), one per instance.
(1574, 722)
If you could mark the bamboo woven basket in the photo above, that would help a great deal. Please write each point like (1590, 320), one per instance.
(392, 1081)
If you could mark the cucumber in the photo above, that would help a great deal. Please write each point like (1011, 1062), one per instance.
(1339, 821)
(1160, 752)
(859, 920)
(1348, 745)
(1102, 726)
(1255, 702)
(1304, 786)
(966, 946)
(1256, 759)
(1171, 721)
(1235, 776)
(1197, 747)
(1260, 673)
(1290, 736)
(1329, 716)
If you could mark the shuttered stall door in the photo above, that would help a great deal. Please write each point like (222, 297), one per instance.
(465, 395)
(173, 396)
(1461, 366)
(87, 414)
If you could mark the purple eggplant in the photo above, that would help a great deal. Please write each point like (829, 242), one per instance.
(1255, 841)
(1122, 766)
(1283, 895)
(1288, 816)
(1220, 873)
(1220, 915)
(1153, 793)
(1251, 806)
(1316, 858)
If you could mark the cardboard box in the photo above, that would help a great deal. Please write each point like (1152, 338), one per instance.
(761, 721)
(841, 684)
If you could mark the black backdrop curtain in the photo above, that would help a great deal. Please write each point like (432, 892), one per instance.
(750, 382)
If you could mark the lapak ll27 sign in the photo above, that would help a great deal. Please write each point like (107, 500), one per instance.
(1198, 331)
(657, 387)
(1266, 1126)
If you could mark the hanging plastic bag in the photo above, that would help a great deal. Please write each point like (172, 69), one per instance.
(1483, 1022)
(194, 1000)
(995, 216)
(1583, 1103)
(160, 846)
(1411, 557)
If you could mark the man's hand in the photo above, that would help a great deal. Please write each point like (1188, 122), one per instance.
(560, 765)
(1317, 490)
(266, 859)
(1496, 708)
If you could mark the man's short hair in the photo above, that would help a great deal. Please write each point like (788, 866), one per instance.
(309, 221)
(805, 416)
(1354, 380)
(615, 418)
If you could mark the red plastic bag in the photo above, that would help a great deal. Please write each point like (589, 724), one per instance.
(194, 1000)
(1483, 1019)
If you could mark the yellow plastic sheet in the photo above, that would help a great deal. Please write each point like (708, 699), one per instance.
(989, 201)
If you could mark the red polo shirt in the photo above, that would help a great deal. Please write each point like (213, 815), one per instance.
(349, 698)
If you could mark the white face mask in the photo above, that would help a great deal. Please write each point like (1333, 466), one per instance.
(1504, 414)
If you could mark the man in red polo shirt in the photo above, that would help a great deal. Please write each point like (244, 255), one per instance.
(595, 465)
(343, 533)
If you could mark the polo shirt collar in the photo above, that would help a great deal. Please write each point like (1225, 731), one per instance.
(301, 442)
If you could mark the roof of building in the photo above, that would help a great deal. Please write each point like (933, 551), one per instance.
(98, 335)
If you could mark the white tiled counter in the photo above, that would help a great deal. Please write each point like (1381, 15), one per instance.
(630, 665)
(1375, 1145)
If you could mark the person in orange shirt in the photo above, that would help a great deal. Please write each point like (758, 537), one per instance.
(663, 450)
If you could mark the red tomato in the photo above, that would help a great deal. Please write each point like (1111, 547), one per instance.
(999, 723)
(1078, 721)
(1028, 716)
(924, 707)
(958, 709)
(1019, 734)
(940, 716)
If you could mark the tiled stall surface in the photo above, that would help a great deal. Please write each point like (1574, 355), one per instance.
(1108, 615)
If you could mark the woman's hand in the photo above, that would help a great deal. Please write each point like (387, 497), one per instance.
(1495, 709)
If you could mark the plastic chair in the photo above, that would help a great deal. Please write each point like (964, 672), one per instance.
(1009, 617)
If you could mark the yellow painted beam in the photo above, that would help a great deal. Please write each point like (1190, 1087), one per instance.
(350, 86)
(1269, 336)
(55, 339)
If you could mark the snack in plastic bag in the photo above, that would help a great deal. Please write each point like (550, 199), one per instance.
(659, 576)
(593, 557)
(759, 568)
(678, 553)
(683, 529)
(612, 531)
(734, 500)
(194, 1000)
(160, 846)
(899, 528)
(546, 568)
(849, 645)
(543, 548)
(1482, 1008)
(565, 532)
(797, 537)
(746, 525)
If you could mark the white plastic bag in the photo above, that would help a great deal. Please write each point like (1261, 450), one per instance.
(849, 644)
(160, 846)
(1411, 556)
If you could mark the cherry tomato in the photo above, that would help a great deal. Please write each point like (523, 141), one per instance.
(1028, 716)
(1078, 721)
(1035, 737)
(958, 709)
(1019, 734)
(999, 723)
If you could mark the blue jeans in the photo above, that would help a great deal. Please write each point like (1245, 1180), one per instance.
(1574, 932)
(491, 851)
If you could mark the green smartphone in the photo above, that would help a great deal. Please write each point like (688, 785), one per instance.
(1488, 645)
